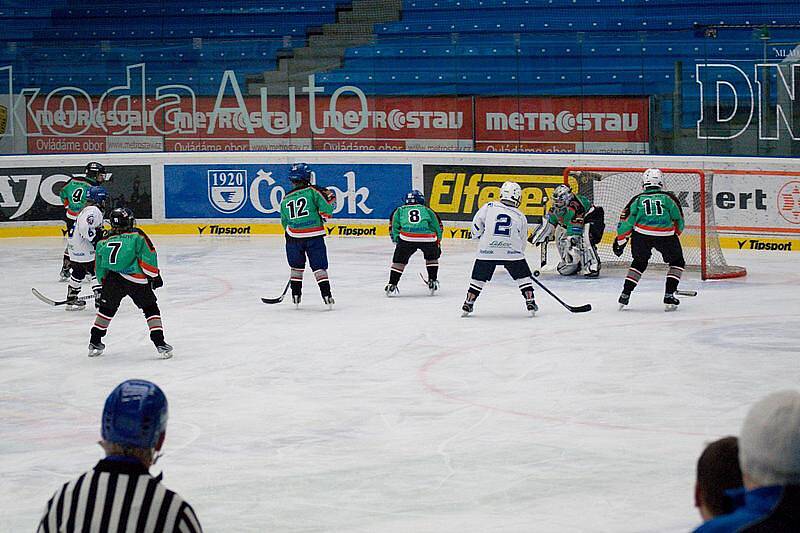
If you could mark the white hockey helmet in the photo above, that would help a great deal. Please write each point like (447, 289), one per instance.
(511, 193)
(562, 195)
(652, 177)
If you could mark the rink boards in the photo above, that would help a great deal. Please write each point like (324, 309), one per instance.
(756, 200)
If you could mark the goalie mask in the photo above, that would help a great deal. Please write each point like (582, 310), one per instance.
(652, 178)
(511, 193)
(562, 195)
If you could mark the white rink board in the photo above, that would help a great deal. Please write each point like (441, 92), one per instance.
(747, 202)
(396, 414)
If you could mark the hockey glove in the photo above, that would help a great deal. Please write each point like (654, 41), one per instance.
(98, 291)
(619, 247)
(99, 235)
(328, 194)
(156, 282)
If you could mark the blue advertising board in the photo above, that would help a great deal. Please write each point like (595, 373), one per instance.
(255, 191)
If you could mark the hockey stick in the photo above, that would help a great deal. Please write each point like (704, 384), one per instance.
(686, 293)
(279, 299)
(543, 253)
(52, 302)
(572, 308)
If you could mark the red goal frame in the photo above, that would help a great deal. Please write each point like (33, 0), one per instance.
(736, 272)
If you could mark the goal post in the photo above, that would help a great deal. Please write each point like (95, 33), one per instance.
(613, 187)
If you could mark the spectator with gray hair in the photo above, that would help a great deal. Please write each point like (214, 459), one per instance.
(769, 456)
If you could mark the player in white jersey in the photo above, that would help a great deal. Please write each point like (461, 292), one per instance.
(502, 230)
(83, 236)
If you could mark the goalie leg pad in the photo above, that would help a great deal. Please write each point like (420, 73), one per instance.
(569, 248)
(590, 261)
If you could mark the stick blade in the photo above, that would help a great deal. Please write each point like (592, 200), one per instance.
(43, 298)
(686, 293)
(581, 308)
(272, 300)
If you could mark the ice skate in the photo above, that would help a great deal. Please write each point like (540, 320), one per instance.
(73, 304)
(63, 275)
(296, 301)
(530, 305)
(670, 302)
(164, 351)
(433, 286)
(623, 300)
(328, 300)
(391, 290)
(96, 349)
(467, 308)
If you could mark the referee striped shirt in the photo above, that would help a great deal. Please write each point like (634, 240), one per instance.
(118, 495)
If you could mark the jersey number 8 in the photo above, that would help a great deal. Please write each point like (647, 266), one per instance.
(414, 216)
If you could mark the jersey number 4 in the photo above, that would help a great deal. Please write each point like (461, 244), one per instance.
(650, 204)
(502, 225)
(297, 208)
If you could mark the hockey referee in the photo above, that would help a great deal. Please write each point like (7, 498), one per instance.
(119, 494)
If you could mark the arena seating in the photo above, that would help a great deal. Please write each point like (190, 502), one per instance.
(534, 47)
(50, 43)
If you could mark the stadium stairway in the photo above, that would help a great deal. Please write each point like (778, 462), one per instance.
(325, 50)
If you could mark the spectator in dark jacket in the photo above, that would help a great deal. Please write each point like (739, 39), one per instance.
(717, 472)
(769, 455)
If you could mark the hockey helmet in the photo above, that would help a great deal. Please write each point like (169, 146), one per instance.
(97, 195)
(301, 173)
(122, 218)
(96, 172)
(415, 197)
(562, 195)
(511, 193)
(653, 178)
(135, 415)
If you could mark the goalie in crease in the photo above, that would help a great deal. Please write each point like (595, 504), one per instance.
(583, 226)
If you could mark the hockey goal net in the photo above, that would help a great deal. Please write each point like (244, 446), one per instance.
(612, 188)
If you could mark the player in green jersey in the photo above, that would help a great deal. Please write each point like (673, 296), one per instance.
(304, 210)
(414, 226)
(583, 226)
(73, 196)
(127, 265)
(652, 219)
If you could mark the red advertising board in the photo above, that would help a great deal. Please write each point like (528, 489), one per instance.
(69, 123)
(561, 124)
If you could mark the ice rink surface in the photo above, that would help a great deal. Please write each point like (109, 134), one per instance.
(396, 414)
